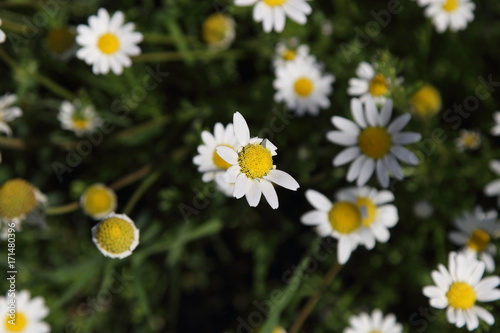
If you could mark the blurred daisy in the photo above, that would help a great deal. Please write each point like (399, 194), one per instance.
(452, 14)
(273, 13)
(459, 288)
(302, 86)
(372, 143)
(8, 112)
(252, 170)
(285, 53)
(116, 236)
(77, 118)
(492, 189)
(364, 323)
(218, 31)
(209, 163)
(495, 130)
(27, 316)
(98, 201)
(107, 43)
(426, 102)
(468, 140)
(423, 209)
(369, 83)
(2, 34)
(475, 231)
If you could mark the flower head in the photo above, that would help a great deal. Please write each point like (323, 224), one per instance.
(218, 31)
(370, 84)
(452, 14)
(286, 52)
(2, 34)
(8, 112)
(28, 314)
(426, 101)
(77, 118)
(98, 201)
(374, 323)
(468, 140)
(492, 189)
(116, 236)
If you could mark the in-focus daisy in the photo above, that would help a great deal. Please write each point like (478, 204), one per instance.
(374, 323)
(302, 86)
(98, 201)
(286, 52)
(27, 316)
(2, 34)
(252, 170)
(218, 31)
(209, 163)
(372, 143)
(475, 231)
(273, 13)
(495, 130)
(492, 189)
(452, 14)
(370, 83)
(426, 102)
(459, 288)
(77, 118)
(116, 236)
(19, 200)
(107, 43)
(468, 140)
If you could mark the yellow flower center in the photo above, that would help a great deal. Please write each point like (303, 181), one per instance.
(303, 87)
(461, 296)
(378, 85)
(370, 208)
(451, 5)
(375, 142)
(344, 217)
(80, 122)
(470, 140)
(375, 332)
(115, 235)
(215, 28)
(16, 325)
(426, 101)
(98, 201)
(60, 40)
(218, 161)
(255, 161)
(274, 3)
(108, 43)
(17, 198)
(479, 240)
(288, 55)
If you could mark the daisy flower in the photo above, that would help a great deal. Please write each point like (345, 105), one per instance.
(468, 140)
(252, 170)
(79, 119)
(285, 53)
(495, 130)
(209, 163)
(302, 86)
(8, 112)
(452, 14)
(107, 43)
(369, 83)
(492, 189)
(475, 231)
(426, 102)
(272, 13)
(2, 34)
(98, 201)
(459, 288)
(372, 143)
(218, 31)
(116, 236)
(27, 315)
(364, 323)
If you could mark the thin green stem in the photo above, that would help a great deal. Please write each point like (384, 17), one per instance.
(139, 192)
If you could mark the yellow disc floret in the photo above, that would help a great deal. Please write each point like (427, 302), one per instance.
(378, 85)
(17, 198)
(370, 209)
(218, 161)
(115, 235)
(303, 86)
(426, 101)
(98, 201)
(80, 122)
(375, 142)
(450, 5)
(108, 43)
(344, 217)
(479, 240)
(461, 296)
(16, 325)
(274, 3)
(216, 28)
(288, 55)
(255, 161)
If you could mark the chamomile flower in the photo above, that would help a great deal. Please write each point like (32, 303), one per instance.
(459, 288)
(426, 101)
(116, 236)
(374, 323)
(372, 143)
(209, 163)
(107, 43)
(452, 14)
(273, 13)
(2, 34)
(302, 86)
(77, 118)
(218, 31)
(495, 130)
(468, 140)
(98, 201)
(252, 170)
(476, 229)
(285, 53)
(26, 316)
(492, 189)
(370, 83)
(8, 112)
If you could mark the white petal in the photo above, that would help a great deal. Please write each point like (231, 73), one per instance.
(342, 138)
(254, 192)
(399, 123)
(241, 186)
(355, 168)
(283, 179)
(403, 138)
(404, 155)
(345, 125)
(344, 250)
(357, 112)
(484, 315)
(385, 113)
(346, 156)
(241, 130)
(371, 112)
(227, 154)
(269, 193)
(314, 217)
(318, 200)
(382, 175)
(366, 172)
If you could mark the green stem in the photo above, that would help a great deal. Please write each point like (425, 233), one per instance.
(59, 210)
(139, 192)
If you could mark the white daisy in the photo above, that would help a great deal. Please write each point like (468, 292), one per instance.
(209, 163)
(218, 31)
(468, 140)
(376, 323)
(77, 118)
(495, 130)
(459, 288)
(492, 189)
(2, 34)
(372, 143)
(303, 88)
(107, 43)
(284, 54)
(369, 83)
(252, 170)
(27, 315)
(476, 230)
(116, 236)
(272, 13)
(453, 14)
(8, 112)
